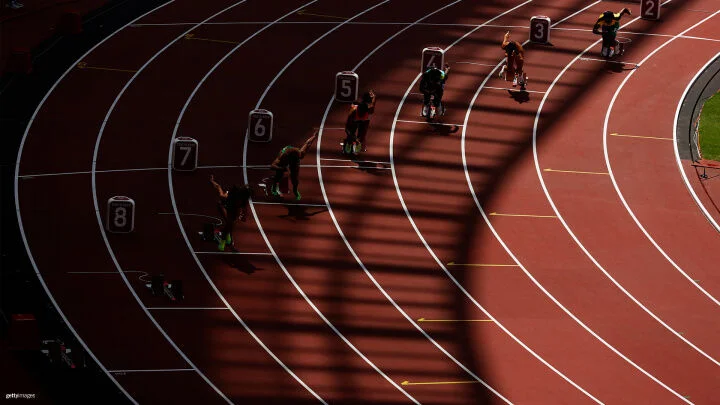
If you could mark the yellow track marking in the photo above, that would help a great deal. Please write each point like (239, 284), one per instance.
(481, 265)
(573, 171)
(495, 214)
(303, 12)
(454, 320)
(438, 382)
(84, 65)
(192, 36)
(642, 137)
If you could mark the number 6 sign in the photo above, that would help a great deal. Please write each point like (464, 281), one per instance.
(120, 215)
(540, 29)
(260, 125)
(185, 154)
(650, 9)
(346, 87)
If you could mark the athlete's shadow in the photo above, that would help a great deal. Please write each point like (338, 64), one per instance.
(377, 169)
(521, 96)
(238, 262)
(301, 212)
(619, 67)
(443, 129)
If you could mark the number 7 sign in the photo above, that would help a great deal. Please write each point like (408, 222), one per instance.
(185, 154)
(260, 125)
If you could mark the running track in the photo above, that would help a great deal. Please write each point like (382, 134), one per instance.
(605, 293)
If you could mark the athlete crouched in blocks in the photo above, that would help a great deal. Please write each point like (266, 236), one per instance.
(432, 86)
(289, 159)
(357, 124)
(232, 206)
(608, 25)
(514, 62)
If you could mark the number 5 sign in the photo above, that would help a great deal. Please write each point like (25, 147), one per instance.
(185, 154)
(260, 125)
(346, 87)
(650, 9)
(120, 215)
(540, 29)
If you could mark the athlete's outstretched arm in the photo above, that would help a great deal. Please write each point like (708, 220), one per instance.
(217, 187)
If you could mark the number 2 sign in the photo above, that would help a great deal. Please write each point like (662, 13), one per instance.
(260, 125)
(346, 87)
(650, 9)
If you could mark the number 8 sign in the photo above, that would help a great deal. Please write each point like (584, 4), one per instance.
(650, 9)
(346, 87)
(120, 215)
(185, 154)
(260, 125)
(540, 29)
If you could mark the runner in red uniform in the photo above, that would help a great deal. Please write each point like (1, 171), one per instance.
(357, 123)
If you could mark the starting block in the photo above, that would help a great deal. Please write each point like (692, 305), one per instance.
(159, 287)
(57, 352)
(266, 183)
(432, 57)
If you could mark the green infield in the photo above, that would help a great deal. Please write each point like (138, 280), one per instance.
(710, 129)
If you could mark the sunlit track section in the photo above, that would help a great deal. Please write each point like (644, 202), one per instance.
(677, 152)
(178, 214)
(427, 245)
(617, 188)
(97, 207)
(19, 215)
(415, 323)
(342, 234)
(264, 235)
(572, 234)
(516, 260)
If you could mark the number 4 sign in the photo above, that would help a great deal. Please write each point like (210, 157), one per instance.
(260, 125)
(650, 9)
(346, 87)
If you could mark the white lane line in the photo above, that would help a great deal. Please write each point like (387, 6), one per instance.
(97, 207)
(330, 23)
(430, 123)
(620, 62)
(265, 237)
(19, 215)
(689, 186)
(233, 253)
(104, 272)
(514, 89)
(562, 220)
(474, 63)
(354, 161)
(177, 213)
(427, 245)
(617, 188)
(218, 221)
(158, 370)
(572, 234)
(30, 176)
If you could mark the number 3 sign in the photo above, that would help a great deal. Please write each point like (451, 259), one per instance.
(120, 215)
(260, 125)
(346, 87)
(540, 29)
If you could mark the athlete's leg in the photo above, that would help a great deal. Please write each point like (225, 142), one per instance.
(274, 188)
(295, 181)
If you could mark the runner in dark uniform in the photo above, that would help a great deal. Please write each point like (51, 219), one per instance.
(232, 206)
(608, 25)
(289, 159)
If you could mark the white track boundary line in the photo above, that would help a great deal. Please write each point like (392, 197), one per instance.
(158, 370)
(19, 215)
(233, 253)
(97, 207)
(430, 123)
(677, 152)
(572, 234)
(427, 245)
(524, 269)
(617, 188)
(182, 229)
(514, 89)
(190, 308)
(267, 240)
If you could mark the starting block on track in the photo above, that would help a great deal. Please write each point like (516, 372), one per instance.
(161, 288)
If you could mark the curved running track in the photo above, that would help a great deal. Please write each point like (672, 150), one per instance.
(601, 295)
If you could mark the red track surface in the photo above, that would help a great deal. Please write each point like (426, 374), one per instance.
(334, 290)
